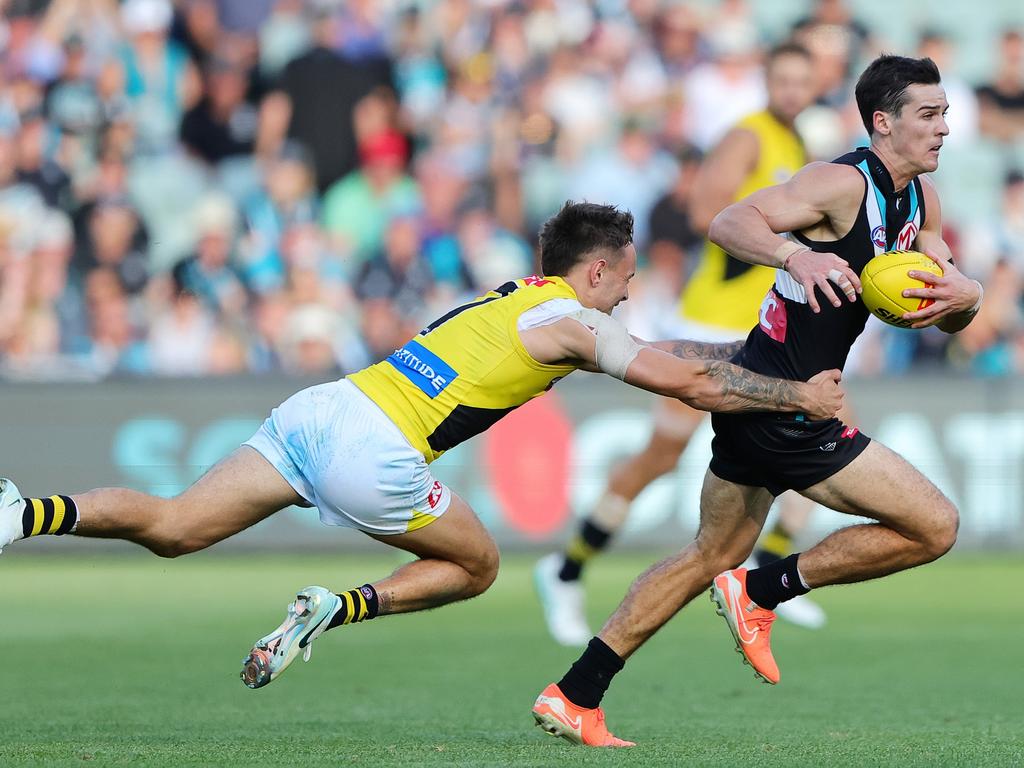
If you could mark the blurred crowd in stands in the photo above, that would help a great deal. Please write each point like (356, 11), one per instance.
(211, 187)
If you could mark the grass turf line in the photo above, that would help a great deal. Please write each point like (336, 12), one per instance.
(134, 660)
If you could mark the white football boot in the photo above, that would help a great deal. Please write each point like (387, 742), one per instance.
(307, 619)
(12, 506)
(800, 611)
(562, 602)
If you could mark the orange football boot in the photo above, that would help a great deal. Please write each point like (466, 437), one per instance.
(560, 717)
(750, 624)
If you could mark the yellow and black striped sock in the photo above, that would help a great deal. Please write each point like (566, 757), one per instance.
(54, 515)
(590, 540)
(775, 545)
(357, 605)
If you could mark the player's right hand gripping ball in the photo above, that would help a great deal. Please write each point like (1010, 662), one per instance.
(884, 279)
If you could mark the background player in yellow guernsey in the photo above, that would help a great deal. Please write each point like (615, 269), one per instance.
(359, 448)
(719, 303)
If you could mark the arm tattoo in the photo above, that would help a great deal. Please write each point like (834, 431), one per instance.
(744, 390)
(700, 350)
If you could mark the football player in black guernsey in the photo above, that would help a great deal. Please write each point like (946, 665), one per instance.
(819, 229)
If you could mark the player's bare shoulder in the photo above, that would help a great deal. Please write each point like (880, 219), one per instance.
(836, 191)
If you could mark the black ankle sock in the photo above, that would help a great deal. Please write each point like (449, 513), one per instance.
(589, 677)
(775, 583)
(357, 605)
(56, 515)
(590, 540)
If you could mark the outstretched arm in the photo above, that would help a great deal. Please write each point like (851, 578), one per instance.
(698, 350)
(709, 385)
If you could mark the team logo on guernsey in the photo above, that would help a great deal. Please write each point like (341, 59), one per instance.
(907, 236)
(878, 236)
(772, 317)
(423, 368)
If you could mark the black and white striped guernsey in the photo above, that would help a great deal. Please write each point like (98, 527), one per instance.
(791, 341)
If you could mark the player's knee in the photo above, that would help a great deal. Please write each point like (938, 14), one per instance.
(943, 531)
(176, 548)
(717, 556)
(483, 571)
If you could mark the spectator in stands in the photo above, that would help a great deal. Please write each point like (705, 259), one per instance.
(223, 124)
(356, 208)
(1001, 100)
(209, 273)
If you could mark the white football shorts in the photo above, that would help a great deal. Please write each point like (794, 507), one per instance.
(343, 455)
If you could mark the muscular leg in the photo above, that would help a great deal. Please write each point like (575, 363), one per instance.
(458, 559)
(731, 517)
(916, 523)
(237, 492)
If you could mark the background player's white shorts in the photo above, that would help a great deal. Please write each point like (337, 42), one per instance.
(671, 418)
(676, 327)
(342, 454)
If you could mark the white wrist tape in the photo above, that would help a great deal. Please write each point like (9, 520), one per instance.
(616, 349)
(981, 296)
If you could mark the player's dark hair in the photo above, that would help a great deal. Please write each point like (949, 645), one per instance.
(788, 48)
(581, 228)
(883, 86)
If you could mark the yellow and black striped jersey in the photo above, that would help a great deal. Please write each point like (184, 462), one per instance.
(466, 370)
(725, 292)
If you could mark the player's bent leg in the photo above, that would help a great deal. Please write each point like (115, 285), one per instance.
(458, 559)
(916, 522)
(731, 518)
(236, 493)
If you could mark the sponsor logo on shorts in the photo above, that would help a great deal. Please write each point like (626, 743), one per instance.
(849, 432)
(423, 368)
(829, 446)
(435, 494)
(785, 580)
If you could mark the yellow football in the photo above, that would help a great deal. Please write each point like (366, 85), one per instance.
(884, 279)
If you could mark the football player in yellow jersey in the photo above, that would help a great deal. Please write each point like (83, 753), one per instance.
(359, 448)
(719, 303)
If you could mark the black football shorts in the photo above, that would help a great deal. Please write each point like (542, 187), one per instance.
(781, 451)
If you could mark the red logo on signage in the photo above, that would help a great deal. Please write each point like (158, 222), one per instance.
(536, 280)
(772, 318)
(435, 495)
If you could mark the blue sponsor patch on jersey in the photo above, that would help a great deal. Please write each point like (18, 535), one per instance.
(423, 368)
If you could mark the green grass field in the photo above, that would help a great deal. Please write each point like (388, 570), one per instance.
(134, 660)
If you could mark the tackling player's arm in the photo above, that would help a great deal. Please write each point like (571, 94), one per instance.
(818, 196)
(721, 175)
(697, 350)
(957, 298)
(597, 342)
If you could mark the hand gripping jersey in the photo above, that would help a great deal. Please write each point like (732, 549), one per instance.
(792, 342)
(467, 369)
(725, 292)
